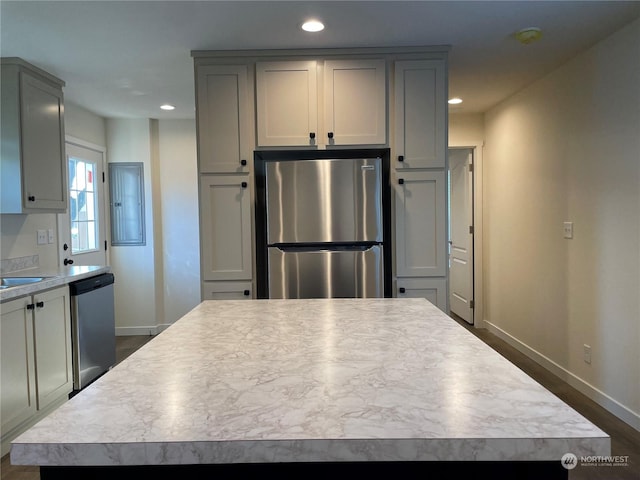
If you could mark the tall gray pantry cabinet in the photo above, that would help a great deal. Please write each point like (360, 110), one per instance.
(323, 100)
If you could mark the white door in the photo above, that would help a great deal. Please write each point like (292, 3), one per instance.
(461, 236)
(82, 230)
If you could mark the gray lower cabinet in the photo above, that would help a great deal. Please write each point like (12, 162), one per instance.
(36, 359)
(433, 289)
(227, 290)
(225, 222)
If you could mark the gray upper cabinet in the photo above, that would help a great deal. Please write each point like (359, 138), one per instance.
(287, 103)
(223, 119)
(32, 157)
(352, 94)
(420, 114)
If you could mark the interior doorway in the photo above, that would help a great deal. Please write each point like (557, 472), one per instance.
(461, 233)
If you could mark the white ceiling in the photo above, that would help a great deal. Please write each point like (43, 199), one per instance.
(125, 58)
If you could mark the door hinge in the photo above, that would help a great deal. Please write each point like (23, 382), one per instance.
(472, 304)
(105, 245)
(471, 229)
(102, 177)
(471, 167)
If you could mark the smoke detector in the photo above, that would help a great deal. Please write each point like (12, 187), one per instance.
(528, 35)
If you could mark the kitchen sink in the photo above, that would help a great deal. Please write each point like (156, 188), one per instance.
(7, 282)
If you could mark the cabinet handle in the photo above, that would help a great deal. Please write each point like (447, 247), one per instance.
(312, 135)
(330, 134)
(244, 184)
(401, 181)
(31, 306)
(243, 163)
(40, 304)
(401, 158)
(247, 293)
(402, 289)
(31, 198)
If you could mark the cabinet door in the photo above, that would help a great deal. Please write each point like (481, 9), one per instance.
(226, 291)
(223, 120)
(52, 333)
(355, 102)
(43, 160)
(421, 235)
(420, 108)
(225, 227)
(287, 103)
(433, 289)
(18, 385)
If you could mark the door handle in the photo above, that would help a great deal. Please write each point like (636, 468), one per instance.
(68, 262)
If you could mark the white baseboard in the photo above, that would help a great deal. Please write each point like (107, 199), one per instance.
(610, 404)
(129, 331)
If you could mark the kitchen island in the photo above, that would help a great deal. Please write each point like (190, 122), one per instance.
(321, 384)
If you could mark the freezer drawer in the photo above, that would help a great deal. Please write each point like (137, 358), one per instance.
(337, 272)
(324, 200)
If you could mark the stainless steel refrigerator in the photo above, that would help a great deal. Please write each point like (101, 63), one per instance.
(325, 227)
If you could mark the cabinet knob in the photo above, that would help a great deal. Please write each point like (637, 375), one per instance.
(244, 184)
(312, 135)
(330, 134)
(243, 162)
(247, 293)
(402, 290)
(31, 198)
(401, 158)
(401, 181)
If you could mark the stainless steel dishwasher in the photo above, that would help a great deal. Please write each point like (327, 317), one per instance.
(93, 328)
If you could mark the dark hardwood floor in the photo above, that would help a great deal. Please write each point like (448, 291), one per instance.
(625, 441)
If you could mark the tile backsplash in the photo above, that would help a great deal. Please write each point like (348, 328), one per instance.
(10, 265)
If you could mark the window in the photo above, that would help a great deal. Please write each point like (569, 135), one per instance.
(83, 206)
(127, 204)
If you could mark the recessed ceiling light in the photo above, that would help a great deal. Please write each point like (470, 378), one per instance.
(312, 26)
(455, 101)
(166, 106)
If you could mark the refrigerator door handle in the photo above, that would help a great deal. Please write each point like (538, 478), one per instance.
(324, 248)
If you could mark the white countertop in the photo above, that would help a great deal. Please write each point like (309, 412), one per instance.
(54, 278)
(310, 380)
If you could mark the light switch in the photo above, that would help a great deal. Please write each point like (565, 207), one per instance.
(51, 234)
(42, 237)
(568, 229)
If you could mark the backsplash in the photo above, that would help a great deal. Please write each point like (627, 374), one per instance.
(10, 265)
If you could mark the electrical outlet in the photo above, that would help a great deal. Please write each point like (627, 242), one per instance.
(51, 234)
(568, 229)
(587, 353)
(42, 237)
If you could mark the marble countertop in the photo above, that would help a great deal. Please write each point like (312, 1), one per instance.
(53, 277)
(310, 381)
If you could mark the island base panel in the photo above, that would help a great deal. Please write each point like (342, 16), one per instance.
(522, 470)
